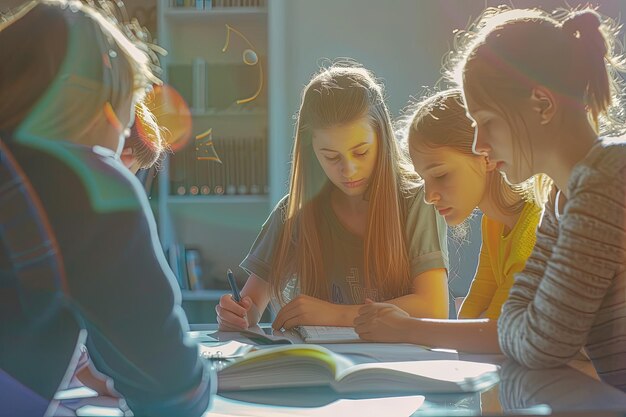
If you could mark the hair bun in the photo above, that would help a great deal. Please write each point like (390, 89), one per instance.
(584, 26)
(582, 23)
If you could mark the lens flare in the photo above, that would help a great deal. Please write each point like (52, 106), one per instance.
(172, 115)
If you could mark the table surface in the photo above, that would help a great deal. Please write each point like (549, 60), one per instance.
(521, 391)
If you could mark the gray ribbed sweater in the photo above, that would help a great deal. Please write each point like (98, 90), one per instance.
(572, 293)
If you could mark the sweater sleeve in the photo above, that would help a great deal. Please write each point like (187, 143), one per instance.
(554, 301)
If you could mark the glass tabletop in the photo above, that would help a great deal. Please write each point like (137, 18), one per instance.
(560, 391)
(520, 391)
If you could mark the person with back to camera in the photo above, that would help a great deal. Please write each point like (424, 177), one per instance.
(142, 149)
(66, 100)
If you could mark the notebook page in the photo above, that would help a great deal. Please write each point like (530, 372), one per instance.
(328, 334)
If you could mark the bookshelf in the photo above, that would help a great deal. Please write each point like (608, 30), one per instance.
(215, 209)
(190, 13)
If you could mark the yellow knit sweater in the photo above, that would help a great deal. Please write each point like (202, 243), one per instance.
(501, 257)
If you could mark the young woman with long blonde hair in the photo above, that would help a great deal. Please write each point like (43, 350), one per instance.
(354, 225)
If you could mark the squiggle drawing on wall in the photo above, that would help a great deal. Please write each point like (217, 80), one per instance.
(250, 57)
(204, 147)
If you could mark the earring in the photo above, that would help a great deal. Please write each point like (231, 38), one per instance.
(111, 117)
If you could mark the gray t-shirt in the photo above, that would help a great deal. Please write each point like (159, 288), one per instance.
(343, 251)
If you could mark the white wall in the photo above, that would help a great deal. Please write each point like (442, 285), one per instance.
(401, 41)
(392, 38)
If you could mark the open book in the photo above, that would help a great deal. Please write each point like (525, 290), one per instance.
(328, 334)
(310, 365)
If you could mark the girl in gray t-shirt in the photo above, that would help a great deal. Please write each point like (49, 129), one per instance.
(354, 225)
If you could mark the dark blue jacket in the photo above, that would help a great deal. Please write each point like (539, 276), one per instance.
(119, 286)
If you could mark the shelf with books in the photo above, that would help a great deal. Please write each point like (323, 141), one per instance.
(216, 89)
(240, 172)
(192, 14)
(216, 4)
(215, 207)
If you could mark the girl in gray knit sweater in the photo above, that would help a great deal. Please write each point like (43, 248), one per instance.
(539, 87)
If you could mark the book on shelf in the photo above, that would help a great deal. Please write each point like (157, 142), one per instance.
(202, 171)
(292, 366)
(186, 263)
(178, 172)
(191, 173)
(231, 165)
(237, 3)
(200, 5)
(198, 83)
(181, 266)
(194, 268)
(174, 259)
(253, 176)
(209, 4)
(241, 178)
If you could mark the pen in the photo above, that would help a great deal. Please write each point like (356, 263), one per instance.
(233, 285)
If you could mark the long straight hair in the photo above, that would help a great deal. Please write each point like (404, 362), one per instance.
(335, 96)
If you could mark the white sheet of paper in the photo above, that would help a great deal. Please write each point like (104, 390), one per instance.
(226, 350)
(329, 334)
(374, 407)
(75, 393)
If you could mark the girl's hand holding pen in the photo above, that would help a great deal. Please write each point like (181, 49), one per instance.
(232, 311)
(232, 315)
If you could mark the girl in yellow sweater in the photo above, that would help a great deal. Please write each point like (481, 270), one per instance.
(457, 180)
